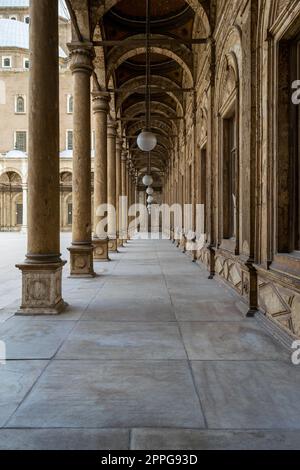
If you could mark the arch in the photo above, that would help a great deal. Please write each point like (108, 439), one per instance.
(70, 104)
(65, 170)
(20, 104)
(82, 13)
(230, 61)
(12, 170)
(196, 5)
(99, 60)
(11, 192)
(163, 125)
(180, 53)
(65, 176)
(156, 107)
(132, 86)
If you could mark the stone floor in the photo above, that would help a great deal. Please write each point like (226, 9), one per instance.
(150, 355)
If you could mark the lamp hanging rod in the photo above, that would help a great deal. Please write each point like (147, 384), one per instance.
(148, 66)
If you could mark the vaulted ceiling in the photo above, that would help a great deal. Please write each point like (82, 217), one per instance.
(120, 26)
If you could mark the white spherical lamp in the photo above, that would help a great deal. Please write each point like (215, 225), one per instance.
(146, 141)
(150, 191)
(147, 180)
(150, 199)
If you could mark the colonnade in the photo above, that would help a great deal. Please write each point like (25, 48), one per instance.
(42, 268)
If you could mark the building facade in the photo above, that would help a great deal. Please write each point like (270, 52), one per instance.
(14, 74)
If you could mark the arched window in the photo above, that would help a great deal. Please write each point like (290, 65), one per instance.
(26, 19)
(229, 176)
(288, 149)
(70, 104)
(20, 104)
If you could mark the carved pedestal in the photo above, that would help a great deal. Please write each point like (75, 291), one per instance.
(249, 286)
(41, 289)
(112, 245)
(119, 242)
(100, 250)
(81, 261)
(183, 241)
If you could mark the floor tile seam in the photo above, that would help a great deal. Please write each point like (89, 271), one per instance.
(84, 311)
(28, 392)
(186, 352)
(149, 428)
(149, 360)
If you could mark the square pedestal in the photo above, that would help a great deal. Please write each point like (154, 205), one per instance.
(41, 289)
(81, 258)
(183, 243)
(112, 245)
(100, 250)
(119, 242)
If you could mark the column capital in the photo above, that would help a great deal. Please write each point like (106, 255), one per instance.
(81, 55)
(119, 143)
(124, 156)
(101, 101)
(111, 127)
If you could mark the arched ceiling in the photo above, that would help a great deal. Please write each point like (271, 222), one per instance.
(121, 25)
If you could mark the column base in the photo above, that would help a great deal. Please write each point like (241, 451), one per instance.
(41, 289)
(113, 245)
(183, 242)
(251, 313)
(100, 249)
(119, 242)
(81, 258)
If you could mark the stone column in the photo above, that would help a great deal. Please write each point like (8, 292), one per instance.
(124, 195)
(132, 201)
(42, 269)
(25, 208)
(136, 195)
(111, 184)
(100, 110)
(129, 192)
(118, 188)
(81, 250)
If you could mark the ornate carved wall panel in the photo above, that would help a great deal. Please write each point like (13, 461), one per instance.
(281, 304)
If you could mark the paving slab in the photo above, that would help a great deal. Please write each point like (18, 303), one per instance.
(116, 340)
(16, 379)
(64, 439)
(32, 337)
(108, 308)
(201, 310)
(192, 439)
(244, 340)
(249, 394)
(114, 394)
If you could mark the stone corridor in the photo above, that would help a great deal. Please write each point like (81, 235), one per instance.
(149, 355)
